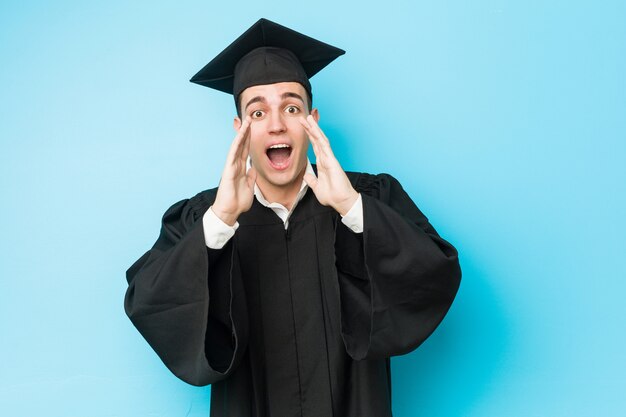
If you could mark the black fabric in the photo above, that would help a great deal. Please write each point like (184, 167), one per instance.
(269, 65)
(266, 53)
(298, 322)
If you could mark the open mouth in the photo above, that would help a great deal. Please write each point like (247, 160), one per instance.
(279, 155)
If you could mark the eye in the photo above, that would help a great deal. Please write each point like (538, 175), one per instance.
(257, 114)
(292, 109)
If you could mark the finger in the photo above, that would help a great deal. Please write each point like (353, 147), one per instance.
(233, 151)
(245, 147)
(251, 177)
(235, 147)
(312, 136)
(307, 128)
(311, 181)
(321, 146)
(316, 128)
(317, 132)
(243, 139)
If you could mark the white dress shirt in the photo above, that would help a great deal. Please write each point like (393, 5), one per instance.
(217, 233)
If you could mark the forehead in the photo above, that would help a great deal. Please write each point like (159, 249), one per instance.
(272, 91)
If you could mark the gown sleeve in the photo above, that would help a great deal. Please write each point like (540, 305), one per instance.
(187, 300)
(397, 279)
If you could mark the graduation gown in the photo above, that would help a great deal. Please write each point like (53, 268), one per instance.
(297, 322)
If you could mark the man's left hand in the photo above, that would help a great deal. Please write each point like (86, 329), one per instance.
(332, 186)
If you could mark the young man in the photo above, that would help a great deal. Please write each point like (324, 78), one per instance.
(288, 287)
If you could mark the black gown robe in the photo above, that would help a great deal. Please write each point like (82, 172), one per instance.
(297, 322)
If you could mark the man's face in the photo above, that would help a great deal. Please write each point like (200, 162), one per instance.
(278, 142)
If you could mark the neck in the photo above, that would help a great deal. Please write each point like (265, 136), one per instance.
(282, 194)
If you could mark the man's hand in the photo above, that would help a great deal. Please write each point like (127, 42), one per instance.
(332, 186)
(236, 189)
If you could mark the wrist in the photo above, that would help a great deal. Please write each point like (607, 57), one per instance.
(230, 218)
(346, 204)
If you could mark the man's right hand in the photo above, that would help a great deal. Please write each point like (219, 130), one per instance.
(236, 190)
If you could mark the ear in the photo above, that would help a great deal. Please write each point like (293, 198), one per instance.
(316, 115)
(237, 123)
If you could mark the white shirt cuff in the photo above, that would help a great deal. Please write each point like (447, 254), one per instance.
(354, 217)
(216, 232)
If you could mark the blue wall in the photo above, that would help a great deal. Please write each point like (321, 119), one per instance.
(504, 120)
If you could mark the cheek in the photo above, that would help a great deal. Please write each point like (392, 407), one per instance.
(303, 141)
(256, 140)
(256, 149)
(298, 134)
(304, 145)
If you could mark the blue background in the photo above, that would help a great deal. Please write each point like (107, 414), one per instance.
(505, 121)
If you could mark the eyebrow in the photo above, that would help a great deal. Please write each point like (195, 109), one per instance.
(261, 99)
(289, 94)
(253, 100)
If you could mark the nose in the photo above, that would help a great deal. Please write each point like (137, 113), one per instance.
(276, 123)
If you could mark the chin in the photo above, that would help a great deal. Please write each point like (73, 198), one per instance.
(282, 179)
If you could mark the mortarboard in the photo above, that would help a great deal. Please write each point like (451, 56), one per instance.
(266, 53)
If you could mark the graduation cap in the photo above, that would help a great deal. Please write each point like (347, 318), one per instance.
(266, 53)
